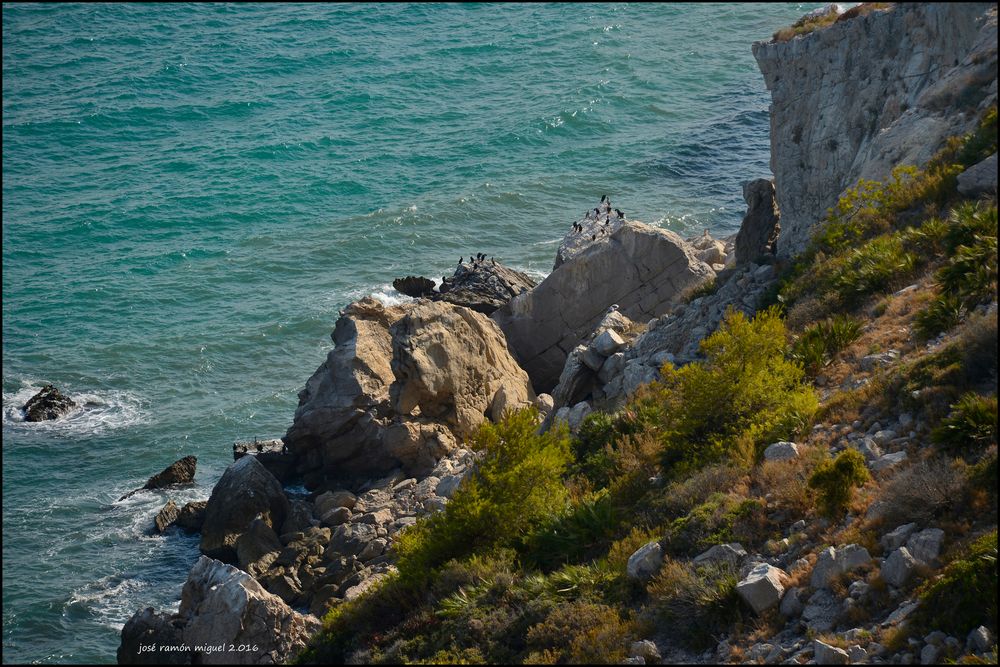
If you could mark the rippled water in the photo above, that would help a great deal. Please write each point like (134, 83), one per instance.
(190, 193)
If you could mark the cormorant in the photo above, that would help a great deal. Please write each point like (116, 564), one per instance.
(461, 260)
(603, 197)
(593, 237)
(620, 214)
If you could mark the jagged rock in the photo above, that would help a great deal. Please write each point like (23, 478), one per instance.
(834, 562)
(358, 415)
(821, 611)
(448, 484)
(223, 605)
(607, 343)
(759, 230)
(646, 650)
(762, 588)
(192, 516)
(888, 461)
(257, 548)
(791, 605)
(980, 640)
(300, 517)
(829, 655)
(980, 178)
(898, 567)
(48, 403)
(781, 451)
(645, 562)
(245, 492)
(595, 226)
(178, 472)
(640, 268)
(145, 632)
(414, 286)
(857, 98)
(926, 545)
(336, 516)
(857, 655)
(545, 404)
(450, 362)
(483, 286)
(166, 516)
(577, 414)
(732, 553)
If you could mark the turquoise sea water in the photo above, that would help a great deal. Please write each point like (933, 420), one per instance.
(190, 193)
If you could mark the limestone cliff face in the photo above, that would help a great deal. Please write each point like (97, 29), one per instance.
(858, 98)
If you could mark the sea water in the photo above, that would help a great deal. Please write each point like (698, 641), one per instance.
(191, 193)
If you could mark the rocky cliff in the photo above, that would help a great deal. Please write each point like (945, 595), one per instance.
(857, 98)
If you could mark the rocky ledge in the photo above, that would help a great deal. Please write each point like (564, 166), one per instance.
(49, 403)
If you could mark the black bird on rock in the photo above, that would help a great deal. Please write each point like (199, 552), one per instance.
(620, 214)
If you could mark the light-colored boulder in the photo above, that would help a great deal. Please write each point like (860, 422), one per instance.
(898, 567)
(762, 588)
(888, 461)
(980, 178)
(577, 414)
(645, 562)
(246, 492)
(450, 362)
(925, 546)
(831, 563)
(545, 404)
(859, 97)
(980, 640)
(732, 553)
(781, 451)
(829, 655)
(331, 500)
(607, 343)
(646, 650)
(640, 268)
(857, 654)
(448, 485)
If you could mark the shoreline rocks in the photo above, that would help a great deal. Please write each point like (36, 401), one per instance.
(178, 473)
(49, 403)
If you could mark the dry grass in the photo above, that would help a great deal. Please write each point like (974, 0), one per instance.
(924, 490)
(785, 482)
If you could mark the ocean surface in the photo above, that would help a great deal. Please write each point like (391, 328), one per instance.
(190, 193)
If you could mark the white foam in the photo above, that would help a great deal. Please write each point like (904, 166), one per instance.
(386, 294)
(96, 412)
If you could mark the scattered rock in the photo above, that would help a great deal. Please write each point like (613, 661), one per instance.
(926, 545)
(166, 516)
(781, 451)
(889, 461)
(898, 567)
(762, 587)
(732, 553)
(645, 562)
(821, 611)
(829, 655)
(645, 649)
(178, 472)
(980, 640)
(980, 178)
(48, 403)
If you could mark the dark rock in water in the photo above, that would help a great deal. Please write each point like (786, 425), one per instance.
(484, 286)
(192, 516)
(272, 454)
(758, 234)
(49, 403)
(167, 516)
(178, 472)
(145, 632)
(246, 492)
(415, 286)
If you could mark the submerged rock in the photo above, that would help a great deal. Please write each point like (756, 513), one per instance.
(178, 472)
(49, 403)
(414, 286)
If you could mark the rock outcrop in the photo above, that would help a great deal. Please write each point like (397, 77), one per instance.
(48, 403)
(225, 618)
(857, 98)
(758, 235)
(642, 269)
(401, 384)
(177, 473)
(246, 492)
(483, 286)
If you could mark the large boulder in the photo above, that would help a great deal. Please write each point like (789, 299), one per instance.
(763, 587)
(246, 492)
(224, 606)
(980, 178)
(48, 403)
(857, 98)
(645, 562)
(642, 269)
(595, 225)
(177, 473)
(758, 234)
(192, 516)
(401, 385)
(146, 632)
(449, 363)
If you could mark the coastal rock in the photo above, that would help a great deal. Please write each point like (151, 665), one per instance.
(856, 98)
(48, 403)
(246, 491)
(640, 268)
(483, 286)
(145, 632)
(449, 363)
(257, 548)
(414, 286)
(758, 233)
(178, 472)
(596, 224)
(166, 516)
(192, 516)
(222, 605)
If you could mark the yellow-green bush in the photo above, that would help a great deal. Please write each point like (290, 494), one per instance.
(698, 604)
(971, 426)
(515, 489)
(580, 633)
(836, 479)
(745, 394)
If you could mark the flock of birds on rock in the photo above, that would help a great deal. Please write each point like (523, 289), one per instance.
(477, 259)
(596, 215)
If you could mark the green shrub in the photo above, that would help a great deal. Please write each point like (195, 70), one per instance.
(720, 519)
(744, 394)
(516, 488)
(965, 596)
(981, 143)
(967, 222)
(698, 604)
(579, 633)
(972, 424)
(819, 343)
(942, 314)
(874, 267)
(835, 481)
(582, 533)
